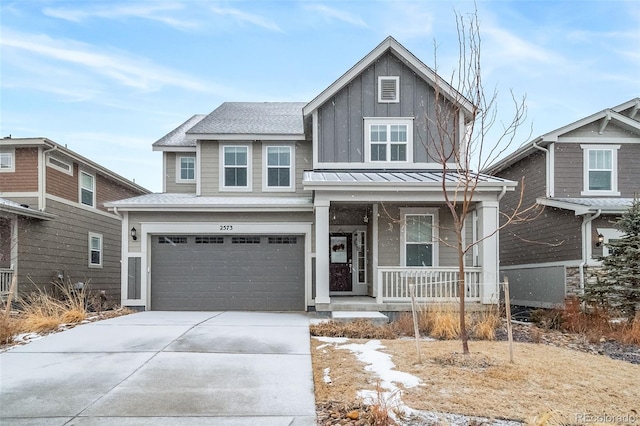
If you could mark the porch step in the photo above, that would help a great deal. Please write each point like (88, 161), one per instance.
(376, 318)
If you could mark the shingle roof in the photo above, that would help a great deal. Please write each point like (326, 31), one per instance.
(23, 210)
(177, 137)
(255, 118)
(186, 201)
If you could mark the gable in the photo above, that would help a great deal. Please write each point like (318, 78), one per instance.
(596, 129)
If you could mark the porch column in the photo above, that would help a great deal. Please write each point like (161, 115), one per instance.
(488, 251)
(322, 252)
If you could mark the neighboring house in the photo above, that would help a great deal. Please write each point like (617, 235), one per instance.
(53, 223)
(585, 175)
(293, 206)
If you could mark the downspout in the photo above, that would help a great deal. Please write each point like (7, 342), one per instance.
(548, 166)
(585, 241)
(42, 197)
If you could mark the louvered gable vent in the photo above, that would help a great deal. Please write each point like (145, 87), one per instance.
(388, 89)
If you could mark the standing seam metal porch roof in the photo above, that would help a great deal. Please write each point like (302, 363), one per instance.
(395, 177)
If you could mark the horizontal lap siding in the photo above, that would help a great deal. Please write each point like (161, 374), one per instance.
(47, 248)
(170, 168)
(25, 176)
(390, 229)
(210, 169)
(537, 240)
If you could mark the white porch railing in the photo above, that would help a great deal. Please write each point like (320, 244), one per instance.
(432, 284)
(6, 274)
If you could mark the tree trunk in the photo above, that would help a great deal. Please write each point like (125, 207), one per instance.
(461, 293)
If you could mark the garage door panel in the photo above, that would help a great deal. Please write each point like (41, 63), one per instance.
(235, 273)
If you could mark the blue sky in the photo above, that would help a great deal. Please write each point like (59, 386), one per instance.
(109, 78)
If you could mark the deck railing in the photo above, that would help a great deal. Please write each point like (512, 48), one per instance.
(6, 274)
(431, 284)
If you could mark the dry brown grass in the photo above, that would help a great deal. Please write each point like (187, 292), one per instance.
(544, 382)
(9, 326)
(358, 329)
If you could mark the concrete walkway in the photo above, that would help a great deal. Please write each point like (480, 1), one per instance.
(149, 368)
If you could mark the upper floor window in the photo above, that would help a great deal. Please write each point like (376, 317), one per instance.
(389, 140)
(600, 169)
(186, 169)
(388, 89)
(236, 168)
(6, 162)
(87, 189)
(60, 165)
(95, 250)
(419, 237)
(278, 168)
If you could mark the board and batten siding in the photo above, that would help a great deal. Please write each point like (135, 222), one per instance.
(536, 240)
(569, 169)
(61, 246)
(340, 119)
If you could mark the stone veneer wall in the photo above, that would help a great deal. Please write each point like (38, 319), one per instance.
(572, 281)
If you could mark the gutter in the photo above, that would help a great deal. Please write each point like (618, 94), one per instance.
(585, 253)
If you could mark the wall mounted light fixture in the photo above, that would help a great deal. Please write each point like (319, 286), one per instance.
(134, 234)
(600, 240)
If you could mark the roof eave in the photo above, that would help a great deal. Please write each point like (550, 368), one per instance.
(247, 136)
(21, 211)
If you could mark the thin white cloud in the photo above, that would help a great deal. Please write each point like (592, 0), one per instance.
(250, 18)
(340, 15)
(511, 48)
(150, 11)
(116, 66)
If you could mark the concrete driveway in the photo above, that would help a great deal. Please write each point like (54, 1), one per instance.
(196, 368)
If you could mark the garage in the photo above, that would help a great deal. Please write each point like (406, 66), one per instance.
(227, 272)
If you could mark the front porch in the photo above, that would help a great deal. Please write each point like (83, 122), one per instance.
(6, 275)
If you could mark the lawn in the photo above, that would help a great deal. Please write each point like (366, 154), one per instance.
(545, 384)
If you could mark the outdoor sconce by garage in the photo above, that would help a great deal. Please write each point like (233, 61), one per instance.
(134, 234)
(600, 240)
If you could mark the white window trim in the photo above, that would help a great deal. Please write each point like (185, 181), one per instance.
(387, 121)
(100, 238)
(397, 81)
(418, 211)
(12, 153)
(68, 171)
(609, 234)
(93, 201)
(249, 166)
(292, 169)
(614, 169)
(179, 169)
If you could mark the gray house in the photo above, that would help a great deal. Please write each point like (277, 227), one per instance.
(294, 206)
(585, 174)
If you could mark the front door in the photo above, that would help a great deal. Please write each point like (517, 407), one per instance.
(340, 263)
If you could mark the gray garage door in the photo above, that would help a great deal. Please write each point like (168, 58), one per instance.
(239, 272)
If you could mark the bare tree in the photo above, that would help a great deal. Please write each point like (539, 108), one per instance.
(481, 146)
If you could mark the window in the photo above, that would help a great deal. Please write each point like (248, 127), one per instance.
(283, 240)
(60, 165)
(389, 140)
(87, 189)
(245, 240)
(388, 89)
(95, 250)
(171, 240)
(278, 168)
(186, 169)
(236, 170)
(209, 240)
(6, 162)
(600, 169)
(419, 240)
